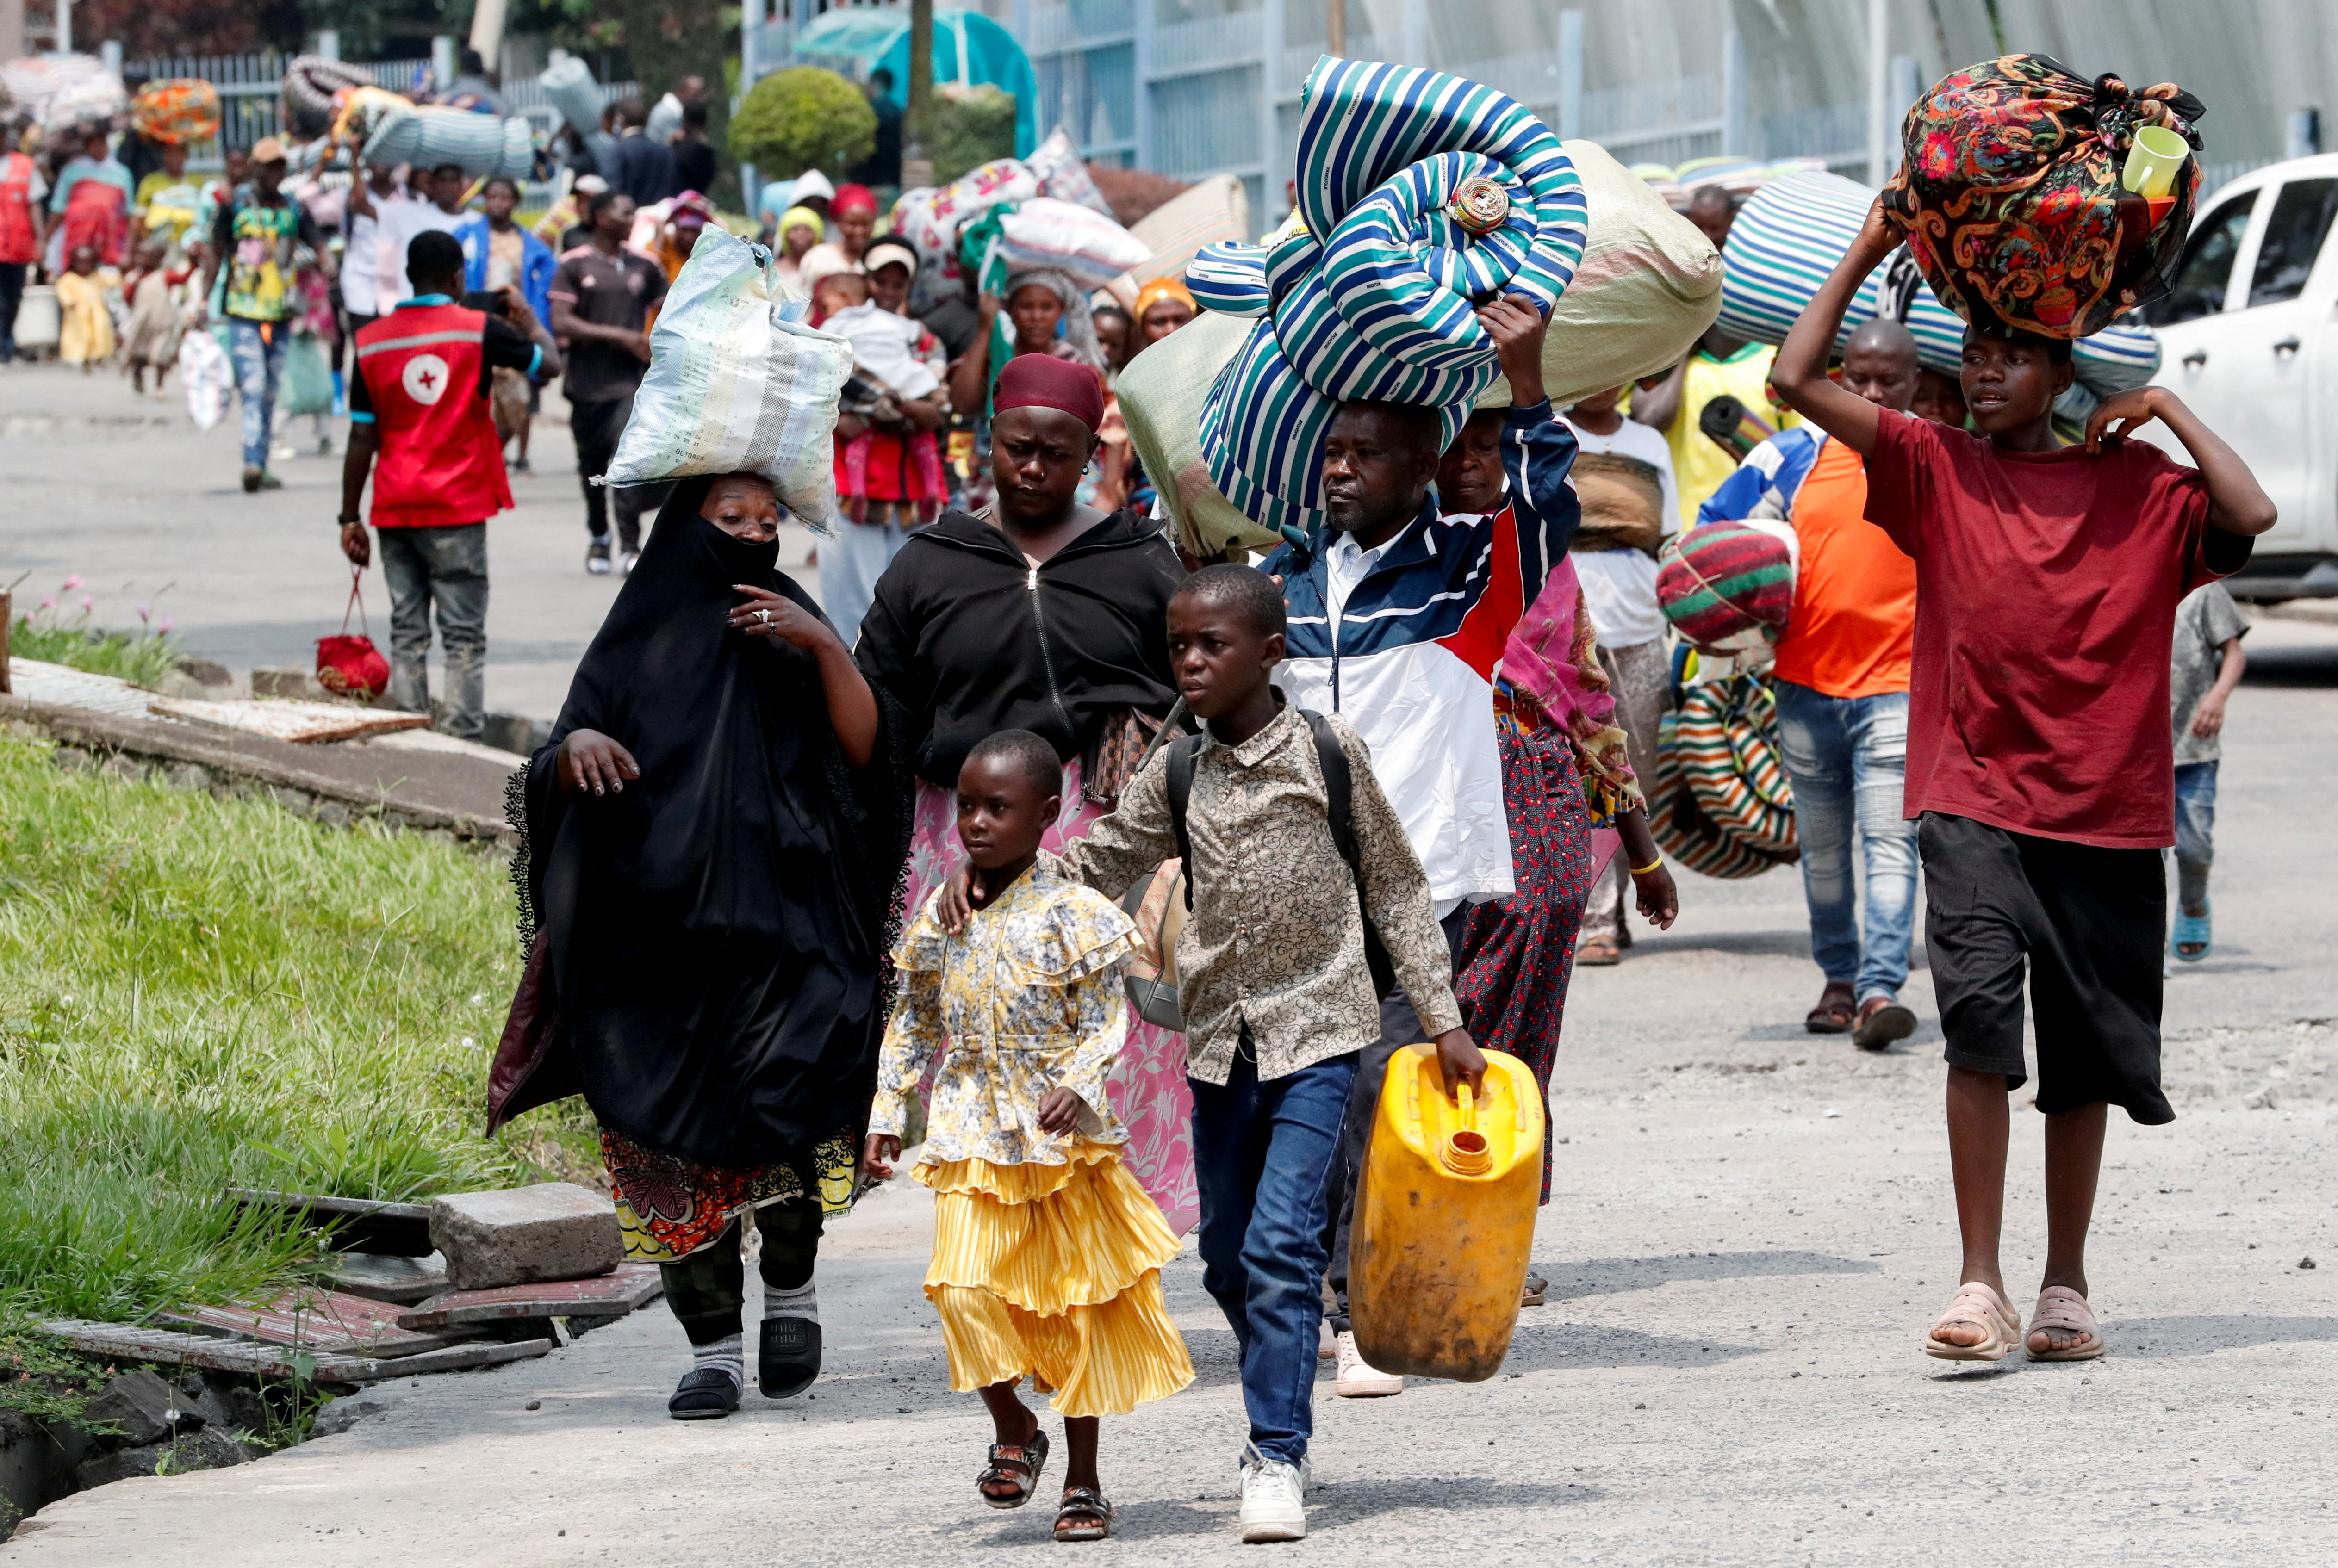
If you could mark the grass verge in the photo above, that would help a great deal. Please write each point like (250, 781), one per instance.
(141, 658)
(198, 992)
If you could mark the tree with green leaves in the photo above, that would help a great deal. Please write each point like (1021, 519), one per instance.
(804, 118)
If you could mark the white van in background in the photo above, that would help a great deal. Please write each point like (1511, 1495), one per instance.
(2249, 339)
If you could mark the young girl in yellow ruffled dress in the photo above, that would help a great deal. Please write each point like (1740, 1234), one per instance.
(1048, 1253)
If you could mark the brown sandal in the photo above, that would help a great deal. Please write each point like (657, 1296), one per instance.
(1975, 1306)
(1835, 1013)
(1599, 952)
(1021, 1462)
(1083, 1502)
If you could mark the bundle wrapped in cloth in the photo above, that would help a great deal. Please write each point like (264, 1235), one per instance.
(1647, 284)
(1420, 195)
(180, 112)
(2013, 198)
(737, 383)
(1722, 804)
(1789, 237)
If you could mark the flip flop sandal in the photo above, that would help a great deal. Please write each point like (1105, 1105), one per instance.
(2191, 930)
(1599, 953)
(1882, 1020)
(1984, 1309)
(704, 1394)
(2062, 1308)
(787, 1356)
(1537, 1290)
(1084, 1503)
(1021, 1462)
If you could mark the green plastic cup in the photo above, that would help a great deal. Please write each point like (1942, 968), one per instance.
(2154, 161)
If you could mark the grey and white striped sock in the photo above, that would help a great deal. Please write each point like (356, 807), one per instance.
(729, 1354)
(803, 1301)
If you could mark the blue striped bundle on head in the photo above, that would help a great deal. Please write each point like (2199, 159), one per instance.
(1421, 197)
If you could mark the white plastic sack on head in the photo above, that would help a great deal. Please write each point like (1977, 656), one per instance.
(1789, 237)
(1057, 164)
(1088, 247)
(1647, 287)
(737, 383)
(1213, 210)
(204, 373)
(970, 196)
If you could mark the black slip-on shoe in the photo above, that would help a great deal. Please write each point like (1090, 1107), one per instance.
(704, 1394)
(787, 1358)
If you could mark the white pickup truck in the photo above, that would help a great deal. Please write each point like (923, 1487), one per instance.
(2249, 339)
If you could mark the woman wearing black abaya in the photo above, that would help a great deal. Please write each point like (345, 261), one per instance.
(712, 850)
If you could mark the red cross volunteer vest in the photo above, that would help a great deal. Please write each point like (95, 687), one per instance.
(441, 464)
(18, 240)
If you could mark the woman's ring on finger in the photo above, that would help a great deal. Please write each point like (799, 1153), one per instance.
(764, 616)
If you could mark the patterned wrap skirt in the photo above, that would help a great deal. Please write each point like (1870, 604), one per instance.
(1518, 954)
(1148, 1083)
(669, 1208)
(1054, 1272)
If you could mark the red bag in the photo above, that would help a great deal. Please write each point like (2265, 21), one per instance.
(352, 666)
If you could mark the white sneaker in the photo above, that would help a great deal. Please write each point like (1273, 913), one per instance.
(1359, 1378)
(1326, 1344)
(1274, 1499)
(628, 561)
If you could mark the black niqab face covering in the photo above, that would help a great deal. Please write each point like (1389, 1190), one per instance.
(715, 933)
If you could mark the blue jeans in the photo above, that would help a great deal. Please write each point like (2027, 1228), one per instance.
(852, 558)
(259, 368)
(444, 569)
(1848, 760)
(1261, 1153)
(2196, 831)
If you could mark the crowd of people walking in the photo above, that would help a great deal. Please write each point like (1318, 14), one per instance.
(789, 857)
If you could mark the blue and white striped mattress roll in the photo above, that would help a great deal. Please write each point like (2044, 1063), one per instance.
(1792, 231)
(1376, 298)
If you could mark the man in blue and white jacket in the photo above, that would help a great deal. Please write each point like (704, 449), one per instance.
(1398, 626)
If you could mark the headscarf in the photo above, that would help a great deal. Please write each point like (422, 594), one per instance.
(1039, 381)
(1171, 286)
(1551, 668)
(1078, 338)
(707, 948)
(853, 199)
(795, 215)
(812, 183)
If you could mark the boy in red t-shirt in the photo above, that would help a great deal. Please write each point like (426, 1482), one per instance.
(2040, 768)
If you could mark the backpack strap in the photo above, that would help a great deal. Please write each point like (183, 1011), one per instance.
(1184, 753)
(1340, 809)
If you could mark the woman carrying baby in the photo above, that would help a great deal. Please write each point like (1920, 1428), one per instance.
(888, 465)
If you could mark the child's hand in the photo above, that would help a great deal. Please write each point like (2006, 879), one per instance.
(1059, 1110)
(2208, 719)
(1458, 1057)
(877, 1159)
(956, 901)
(1659, 899)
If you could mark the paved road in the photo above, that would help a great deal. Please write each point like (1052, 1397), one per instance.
(1749, 1231)
(129, 494)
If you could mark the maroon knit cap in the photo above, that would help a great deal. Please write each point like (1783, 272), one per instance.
(1043, 381)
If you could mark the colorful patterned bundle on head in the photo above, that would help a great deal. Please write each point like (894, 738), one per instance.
(1372, 295)
(1726, 587)
(2012, 201)
(180, 112)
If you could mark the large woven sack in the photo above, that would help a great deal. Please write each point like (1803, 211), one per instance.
(737, 383)
(1719, 748)
(428, 135)
(1789, 237)
(205, 376)
(2011, 198)
(1216, 209)
(180, 112)
(1726, 587)
(1056, 163)
(310, 87)
(1089, 248)
(1647, 287)
(1161, 395)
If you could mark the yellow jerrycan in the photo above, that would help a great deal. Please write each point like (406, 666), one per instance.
(1445, 1218)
